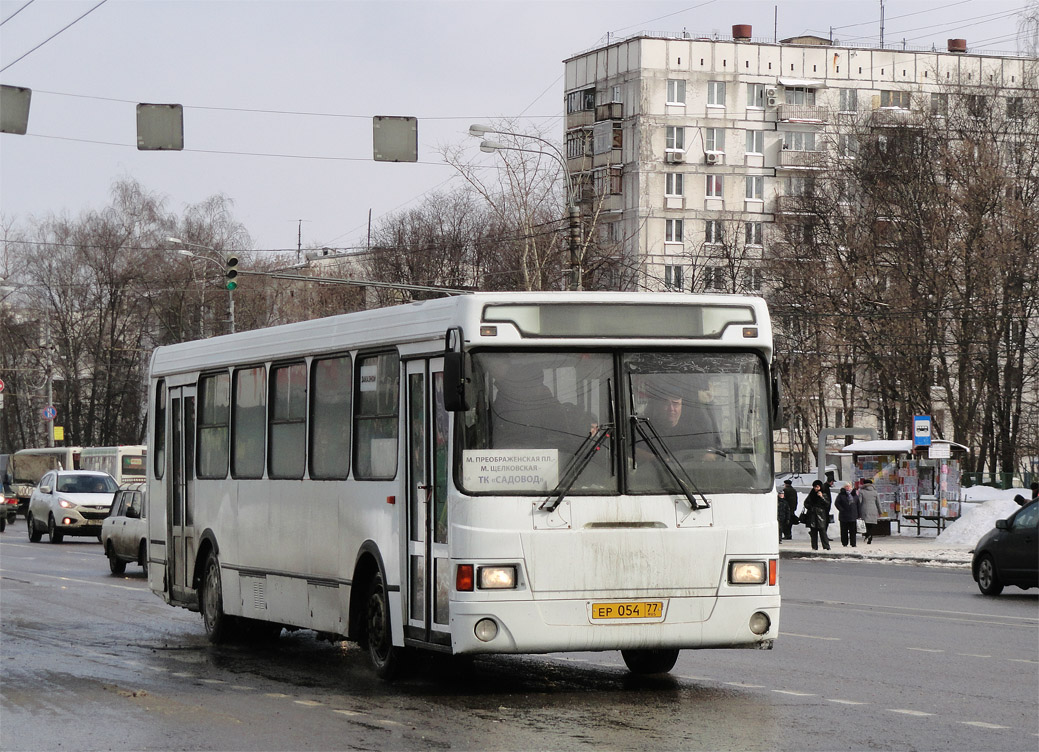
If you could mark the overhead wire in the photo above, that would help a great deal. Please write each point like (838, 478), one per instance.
(59, 31)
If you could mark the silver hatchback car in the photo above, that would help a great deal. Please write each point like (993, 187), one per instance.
(69, 502)
(124, 533)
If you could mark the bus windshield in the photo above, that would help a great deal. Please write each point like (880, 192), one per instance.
(661, 422)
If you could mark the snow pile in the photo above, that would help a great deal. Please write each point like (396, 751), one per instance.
(987, 493)
(976, 520)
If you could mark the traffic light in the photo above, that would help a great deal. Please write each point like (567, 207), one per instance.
(231, 264)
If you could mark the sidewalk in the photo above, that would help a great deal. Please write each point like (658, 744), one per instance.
(894, 548)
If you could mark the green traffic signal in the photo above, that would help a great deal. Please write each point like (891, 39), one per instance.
(231, 263)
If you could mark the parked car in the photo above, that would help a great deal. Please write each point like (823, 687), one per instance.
(1009, 554)
(124, 532)
(69, 502)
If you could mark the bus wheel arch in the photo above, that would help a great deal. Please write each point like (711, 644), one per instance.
(370, 622)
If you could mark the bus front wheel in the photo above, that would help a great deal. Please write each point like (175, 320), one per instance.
(219, 626)
(378, 636)
(650, 661)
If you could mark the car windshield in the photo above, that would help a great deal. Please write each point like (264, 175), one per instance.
(86, 484)
(559, 422)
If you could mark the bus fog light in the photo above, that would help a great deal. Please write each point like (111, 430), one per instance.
(486, 630)
(759, 623)
(497, 578)
(747, 572)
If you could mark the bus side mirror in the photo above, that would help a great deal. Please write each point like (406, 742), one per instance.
(777, 399)
(456, 372)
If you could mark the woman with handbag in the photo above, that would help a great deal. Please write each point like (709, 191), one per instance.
(869, 508)
(817, 510)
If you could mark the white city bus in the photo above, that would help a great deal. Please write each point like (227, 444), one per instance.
(488, 473)
(125, 463)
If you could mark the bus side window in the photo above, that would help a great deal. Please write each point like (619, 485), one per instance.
(375, 421)
(330, 394)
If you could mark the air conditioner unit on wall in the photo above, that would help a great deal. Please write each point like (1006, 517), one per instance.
(771, 101)
(770, 91)
(674, 156)
(713, 157)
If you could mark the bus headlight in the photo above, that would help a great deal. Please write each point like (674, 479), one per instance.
(497, 578)
(747, 572)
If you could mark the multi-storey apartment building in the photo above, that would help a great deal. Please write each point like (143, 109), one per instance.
(683, 148)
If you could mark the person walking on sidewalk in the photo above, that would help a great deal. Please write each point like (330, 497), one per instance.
(847, 515)
(869, 508)
(818, 516)
(790, 499)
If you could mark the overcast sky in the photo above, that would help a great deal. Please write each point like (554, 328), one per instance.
(279, 96)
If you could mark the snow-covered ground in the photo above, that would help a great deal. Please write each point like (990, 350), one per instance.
(978, 519)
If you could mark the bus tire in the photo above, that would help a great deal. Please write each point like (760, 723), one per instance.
(52, 531)
(378, 636)
(219, 626)
(117, 565)
(658, 661)
(142, 557)
(34, 534)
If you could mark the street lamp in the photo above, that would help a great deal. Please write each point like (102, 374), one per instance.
(231, 285)
(490, 147)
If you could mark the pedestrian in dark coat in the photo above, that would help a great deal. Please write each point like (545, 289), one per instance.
(869, 508)
(782, 514)
(847, 515)
(790, 498)
(818, 516)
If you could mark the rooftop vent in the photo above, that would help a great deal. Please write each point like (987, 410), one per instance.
(957, 45)
(741, 31)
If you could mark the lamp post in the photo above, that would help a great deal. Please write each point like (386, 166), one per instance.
(230, 285)
(574, 212)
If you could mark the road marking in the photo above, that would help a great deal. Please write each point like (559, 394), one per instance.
(926, 650)
(810, 636)
(242, 688)
(973, 655)
(795, 694)
(746, 686)
(846, 702)
(213, 681)
(82, 582)
(309, 703)
(184, 675)
(1022, 660)
(347, 712)
(905, 711)
(694, 678)
(982, 724)
(276, 695)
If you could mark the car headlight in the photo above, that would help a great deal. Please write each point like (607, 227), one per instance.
(747, 572)
(66, 504)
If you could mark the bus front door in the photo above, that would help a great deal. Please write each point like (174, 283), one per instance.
(427, 566)
(180, 494)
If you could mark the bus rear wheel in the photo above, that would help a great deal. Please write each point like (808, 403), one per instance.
(386, 659)
(650, 661)
(219, 626)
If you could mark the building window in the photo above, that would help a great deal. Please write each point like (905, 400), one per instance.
(977, 105)
(672, 230)
(714, 186)
(674, 184)
(752, 233)
(756, 187)
(675, 91)
(752, 279)
(899, 99)
(755, 142)
(287, 429)
(1015, 107)
(716, 93)
(674, 277)
(578, 143)
(849, 100)
(248, 422)
(714, 139)
(674, 138)
(579, 101)
(756, 95)
(712, 231)
(940, 104)
(800, 95)
(847, 145)
(607, 181)
(799, 140)
(713, 278)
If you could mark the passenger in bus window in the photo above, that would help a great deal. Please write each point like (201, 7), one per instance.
(683, 417)
(524, 413)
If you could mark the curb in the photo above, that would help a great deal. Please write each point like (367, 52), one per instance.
(894, 558)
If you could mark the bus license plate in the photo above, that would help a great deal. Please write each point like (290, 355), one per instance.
(633, 610)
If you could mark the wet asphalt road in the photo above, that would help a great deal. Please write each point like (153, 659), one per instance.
(872, 656)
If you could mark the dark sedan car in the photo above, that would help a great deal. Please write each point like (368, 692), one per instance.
(1009, 554)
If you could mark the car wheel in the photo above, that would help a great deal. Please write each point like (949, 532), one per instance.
(34, 534)
(52, 531)
(386, 659)
(142, 557)
(219, 626)
(650, 661)
(988, 580)
(3, 522)
(117, 565)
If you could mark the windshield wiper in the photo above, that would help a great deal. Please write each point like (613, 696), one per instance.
(663, 453)
(582, 457)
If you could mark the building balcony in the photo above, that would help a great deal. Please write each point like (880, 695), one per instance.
(609, 111)
(793, 158)
(807, 112)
